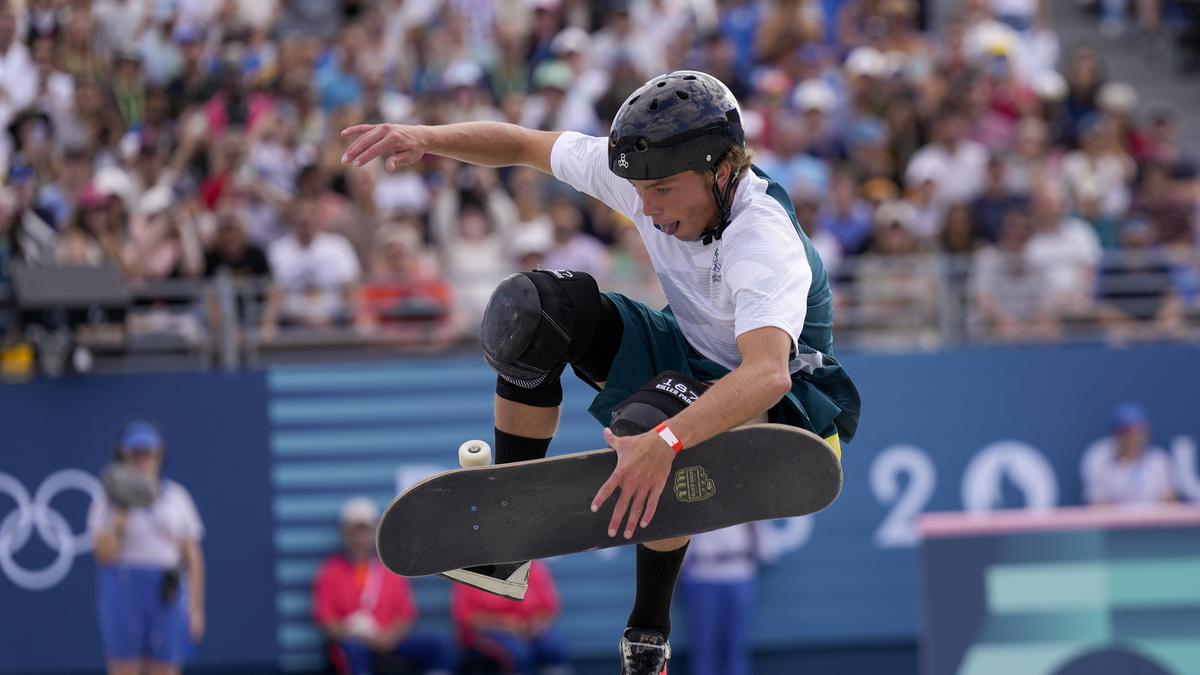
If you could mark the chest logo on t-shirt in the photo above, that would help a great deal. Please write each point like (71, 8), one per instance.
(716, 266)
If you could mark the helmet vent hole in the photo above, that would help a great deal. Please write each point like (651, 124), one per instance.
(661, 84)
(689, 77)
(654, 104)
(682, 95)
(634, 100)
(641, 144)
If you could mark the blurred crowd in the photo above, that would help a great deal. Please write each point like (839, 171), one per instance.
(196, 139)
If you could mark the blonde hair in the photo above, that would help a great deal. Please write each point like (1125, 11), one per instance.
(739, 158)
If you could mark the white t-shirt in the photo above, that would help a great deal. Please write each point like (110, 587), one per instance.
(958, 177)
(730, 555)
(1066, 257)
(154, 535)
(756, 275)
(314, 276)
(1109, 481)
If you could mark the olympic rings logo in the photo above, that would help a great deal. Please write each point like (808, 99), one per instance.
(36, 514)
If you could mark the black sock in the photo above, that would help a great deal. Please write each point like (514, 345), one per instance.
(513, 448)
(656, 575)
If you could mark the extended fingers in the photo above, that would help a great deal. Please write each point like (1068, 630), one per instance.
(365, 147)
(652, 505)
(635, 512)
(356, 129)
(605, 491)
(619, 510)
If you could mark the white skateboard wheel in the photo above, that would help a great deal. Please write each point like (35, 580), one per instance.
(474, 453)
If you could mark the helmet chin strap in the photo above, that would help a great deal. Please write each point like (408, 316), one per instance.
(723, 206)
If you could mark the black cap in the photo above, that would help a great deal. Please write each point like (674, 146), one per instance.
(681, 121)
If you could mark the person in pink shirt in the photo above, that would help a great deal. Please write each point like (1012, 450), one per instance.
(517, 635)
(364, 611)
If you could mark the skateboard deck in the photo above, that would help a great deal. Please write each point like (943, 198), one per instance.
(542, 508)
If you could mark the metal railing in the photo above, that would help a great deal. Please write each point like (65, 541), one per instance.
(921, 302)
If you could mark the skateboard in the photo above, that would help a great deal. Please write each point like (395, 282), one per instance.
(542, 508)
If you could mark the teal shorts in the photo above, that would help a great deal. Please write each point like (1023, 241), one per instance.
(652, 343)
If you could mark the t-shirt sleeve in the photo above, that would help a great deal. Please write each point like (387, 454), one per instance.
(191, 527)
(401, 603)
(582, 162)
(324, 596)
(99, 515)
(350, 270)
(1161, 470)
(769, 284)
(463, 607)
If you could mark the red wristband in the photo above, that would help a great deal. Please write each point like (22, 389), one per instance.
(664, 432)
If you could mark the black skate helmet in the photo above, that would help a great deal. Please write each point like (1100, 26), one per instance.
(684, 120)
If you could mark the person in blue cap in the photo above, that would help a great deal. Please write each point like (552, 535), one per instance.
(1125, 468)
(150, 578)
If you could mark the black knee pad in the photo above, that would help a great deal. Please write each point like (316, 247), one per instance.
(663, 397)
(536, 322)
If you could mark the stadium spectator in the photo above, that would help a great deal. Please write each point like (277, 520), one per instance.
(1065, 252)
(956, 166)
(574, 249)
(1007, 290)
(233, 252)
(18, 74)
(895, 288)
(1137, 298)
(845, 216)
(1124, 469)
(996, 201)
(405, 295)
(30, 237)
(471, 221)
(517, 636)
(1166, 206)
(1100, 167)
(365, 612)
(314, 275)
(959, 233)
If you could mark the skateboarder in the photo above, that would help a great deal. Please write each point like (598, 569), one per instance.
(747, 333)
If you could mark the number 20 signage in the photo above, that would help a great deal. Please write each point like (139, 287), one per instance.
(904, 477)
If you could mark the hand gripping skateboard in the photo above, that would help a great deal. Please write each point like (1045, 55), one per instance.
(538, 509)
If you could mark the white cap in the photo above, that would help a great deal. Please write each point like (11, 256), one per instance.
(530, 239)
(462, 73)
(1117, 97)
(1050, 85)
(401, 192)
(895, 211)
(156, 200)
(814, 94)
(113, 180)
(570, 39)
(923, 168)
(866, 61)
(359, 511)
(752, 124)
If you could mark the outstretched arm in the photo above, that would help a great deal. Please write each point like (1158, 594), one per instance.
(481, 143)
(644, 461)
